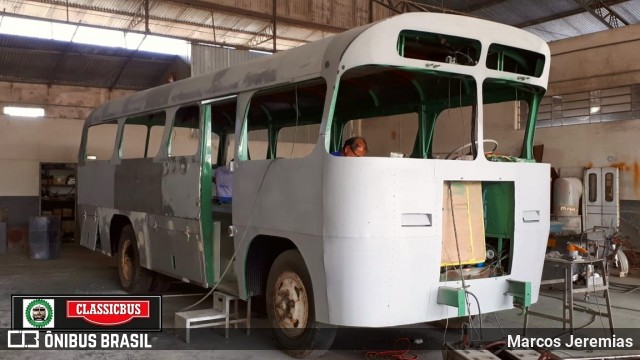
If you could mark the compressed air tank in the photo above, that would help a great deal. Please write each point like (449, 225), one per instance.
(566, 196)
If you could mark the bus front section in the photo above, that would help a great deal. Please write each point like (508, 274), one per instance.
(449, 202)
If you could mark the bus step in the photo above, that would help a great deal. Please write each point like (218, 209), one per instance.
(220, 314)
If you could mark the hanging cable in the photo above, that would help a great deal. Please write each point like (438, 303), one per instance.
(242, 239)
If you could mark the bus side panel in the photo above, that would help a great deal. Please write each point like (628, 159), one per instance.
(95, 190)
(176, 248)
(138, 186)
(282, 197)
(96, 181)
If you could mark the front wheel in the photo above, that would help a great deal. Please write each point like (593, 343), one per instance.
(291, 308)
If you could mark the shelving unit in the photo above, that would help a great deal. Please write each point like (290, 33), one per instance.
(58, 195)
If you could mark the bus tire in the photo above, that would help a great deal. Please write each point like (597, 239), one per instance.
(134, 279)
(291, 308)
(160, 283)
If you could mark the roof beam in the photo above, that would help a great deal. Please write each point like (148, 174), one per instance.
(189, 39)
(62, 56)
(561, 15)
(205, 5)
(482, 6)
(402, 6)
(601, 11)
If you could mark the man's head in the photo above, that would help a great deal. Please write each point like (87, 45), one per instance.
(355, 146)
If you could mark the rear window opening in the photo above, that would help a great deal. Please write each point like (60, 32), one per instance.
(439, 47)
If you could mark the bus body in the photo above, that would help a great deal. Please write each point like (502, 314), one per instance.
(358, 241)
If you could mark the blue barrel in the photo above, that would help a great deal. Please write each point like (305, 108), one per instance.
(45, 235)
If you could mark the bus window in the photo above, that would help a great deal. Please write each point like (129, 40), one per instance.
(100, 141)
(258, 144)
(286, 117)
(223, 120)
(297, 141)
(453, 133)
(506, 106)
(393, 135)
(231, 148)
(185, 136)
(133, 139)
(215, 146)
(390, 101)
(142, 135)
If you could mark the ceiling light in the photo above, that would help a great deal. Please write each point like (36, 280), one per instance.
(594, 109)
(23, 111)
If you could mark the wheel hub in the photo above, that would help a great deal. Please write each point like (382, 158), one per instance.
(291, 303)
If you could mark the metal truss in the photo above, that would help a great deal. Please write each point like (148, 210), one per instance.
(603, 12)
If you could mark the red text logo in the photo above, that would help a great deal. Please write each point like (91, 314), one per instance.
(108, 312)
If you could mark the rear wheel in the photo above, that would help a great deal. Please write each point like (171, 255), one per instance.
(160, 283)
(134, 279)
(291, 308)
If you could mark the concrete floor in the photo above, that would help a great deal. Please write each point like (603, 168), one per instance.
(80, 271)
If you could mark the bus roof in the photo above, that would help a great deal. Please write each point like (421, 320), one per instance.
(305, 62)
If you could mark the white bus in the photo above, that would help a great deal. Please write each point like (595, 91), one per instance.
(435, 211)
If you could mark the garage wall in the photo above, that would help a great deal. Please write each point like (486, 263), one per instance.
(597, 61)
(25, 142)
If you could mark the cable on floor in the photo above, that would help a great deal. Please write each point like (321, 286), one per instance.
(396, 353)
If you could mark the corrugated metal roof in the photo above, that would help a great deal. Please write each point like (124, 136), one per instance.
(248, 24)
(629, 10)
(55, 62)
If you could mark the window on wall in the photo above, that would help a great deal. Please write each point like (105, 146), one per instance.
(588, 107)
(142, 135)
(185, 135)
(100, 140)
(284, 121)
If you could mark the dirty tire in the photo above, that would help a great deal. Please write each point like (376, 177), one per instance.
(291, 309)
(134, 279)
(160, 283)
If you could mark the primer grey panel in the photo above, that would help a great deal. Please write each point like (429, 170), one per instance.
(175, 248)
(180, 188)
(95, 183)
(138, 186)
(88, 215)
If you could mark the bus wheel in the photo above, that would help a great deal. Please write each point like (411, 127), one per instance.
(134, 279)
(291, 311)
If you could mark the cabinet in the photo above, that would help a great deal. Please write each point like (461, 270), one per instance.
(58, 195)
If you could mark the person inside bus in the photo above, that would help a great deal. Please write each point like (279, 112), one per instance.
(223, 178)
(353, 147)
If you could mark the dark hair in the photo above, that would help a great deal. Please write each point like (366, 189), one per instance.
(351, 143)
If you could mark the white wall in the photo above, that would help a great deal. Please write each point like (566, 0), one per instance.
(25, 142)
(19, 178)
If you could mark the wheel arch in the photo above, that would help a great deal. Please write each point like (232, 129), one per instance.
(117, 223)
(262, 252)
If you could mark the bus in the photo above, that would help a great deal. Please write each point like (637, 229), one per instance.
(449, 201)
